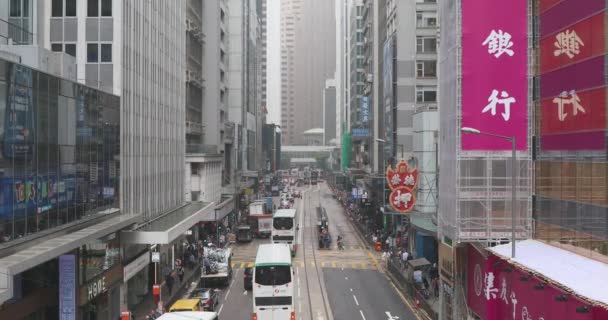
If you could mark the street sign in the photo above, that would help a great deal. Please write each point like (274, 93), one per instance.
(156, 257)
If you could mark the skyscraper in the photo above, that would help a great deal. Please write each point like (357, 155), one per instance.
(307, 59)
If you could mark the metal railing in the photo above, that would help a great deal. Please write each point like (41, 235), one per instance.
(394, 267)
(14, 32)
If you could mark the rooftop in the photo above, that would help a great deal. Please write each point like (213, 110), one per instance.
(585, 277)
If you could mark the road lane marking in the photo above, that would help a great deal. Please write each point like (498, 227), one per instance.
(299, 295)
(362, 316)
(356, 301)
(245, 292)
(227, 293)
(219, 312)
(351, 289)
(345, 278)
(391, 317)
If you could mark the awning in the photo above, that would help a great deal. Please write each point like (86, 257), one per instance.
(582, 276)
(168, 227)
(35, 255)
(423, 222)
(220, 211)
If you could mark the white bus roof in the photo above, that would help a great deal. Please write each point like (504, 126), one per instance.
(188, 315)
(285, 213)
(273, 254)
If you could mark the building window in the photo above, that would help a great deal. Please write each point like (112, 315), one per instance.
(15, 8)
(106, 52)
(426, 69)
(92, 52)
(426, 19)
(57, 8)
(426, 94)
(56, 47)
(70, 48)
(70, 8)
(426, 44)
(106, 8)
(93, 8)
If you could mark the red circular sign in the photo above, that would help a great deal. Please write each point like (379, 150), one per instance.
(402, 199)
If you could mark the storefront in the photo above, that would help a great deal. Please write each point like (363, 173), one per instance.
(499, 289)
(100, 275)
(136, 276)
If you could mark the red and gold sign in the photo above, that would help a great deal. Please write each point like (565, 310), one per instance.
(402, 181)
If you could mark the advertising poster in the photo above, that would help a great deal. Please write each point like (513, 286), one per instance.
(388, 93)
(19, 119)
(494, 73)
(67, 287)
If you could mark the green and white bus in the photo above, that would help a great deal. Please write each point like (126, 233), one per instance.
(273, 285)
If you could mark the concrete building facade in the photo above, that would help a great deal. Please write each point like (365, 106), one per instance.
(307, 60)
(329, 112)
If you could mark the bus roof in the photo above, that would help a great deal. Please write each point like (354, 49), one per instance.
(275, 254)
(285, 213)
(188, 315)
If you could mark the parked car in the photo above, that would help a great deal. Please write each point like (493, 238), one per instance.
(209, 297)
(248, 278)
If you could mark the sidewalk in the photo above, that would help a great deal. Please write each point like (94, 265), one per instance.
(179, 289)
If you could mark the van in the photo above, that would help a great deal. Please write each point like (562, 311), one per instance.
(193, 315)
(187, 305)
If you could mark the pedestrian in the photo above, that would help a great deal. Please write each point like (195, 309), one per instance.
(222, 240)
(180, 273)
(404, 256)
(169, 282)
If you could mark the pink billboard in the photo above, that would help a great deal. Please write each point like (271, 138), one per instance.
(498, 290)
(494, 73)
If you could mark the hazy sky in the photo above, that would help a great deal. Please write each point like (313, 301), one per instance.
(273, 86)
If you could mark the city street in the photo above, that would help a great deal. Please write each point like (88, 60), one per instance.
(330, 284)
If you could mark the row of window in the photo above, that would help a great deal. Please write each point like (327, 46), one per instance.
(67, 8)
(96, 52)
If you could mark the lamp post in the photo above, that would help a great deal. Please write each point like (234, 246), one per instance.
(513, 177)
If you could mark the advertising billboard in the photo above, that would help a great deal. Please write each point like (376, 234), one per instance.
(388, 95)
(495, 73)
(18, 139)
(573, 78)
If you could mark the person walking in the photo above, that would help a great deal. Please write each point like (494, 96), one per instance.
(404, 256)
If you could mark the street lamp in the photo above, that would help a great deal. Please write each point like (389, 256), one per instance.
(513, 177)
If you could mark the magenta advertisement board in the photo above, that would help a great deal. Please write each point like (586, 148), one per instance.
(498, 290)
(494, 73)
(566, 13)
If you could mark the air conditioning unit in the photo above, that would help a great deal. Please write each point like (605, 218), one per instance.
(370, 77)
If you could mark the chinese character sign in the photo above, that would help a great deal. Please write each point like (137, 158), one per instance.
(402, 181)
(495, 73)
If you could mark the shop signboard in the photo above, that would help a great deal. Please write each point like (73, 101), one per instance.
(497, 289)
(67, 287)
(446, 263)
(495, 73)
(135, 266)
(100, 284)
(402, 181)
(555, 16)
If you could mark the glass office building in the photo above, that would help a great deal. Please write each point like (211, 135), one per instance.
(59, 151)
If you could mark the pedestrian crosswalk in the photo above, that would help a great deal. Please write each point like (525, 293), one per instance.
(322, 264)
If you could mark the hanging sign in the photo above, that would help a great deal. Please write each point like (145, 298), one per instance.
(402, 181)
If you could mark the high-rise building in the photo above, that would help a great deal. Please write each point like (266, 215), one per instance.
(329, 112)
(358, 102)
(263, 17)
(243, 82)
(307, 59)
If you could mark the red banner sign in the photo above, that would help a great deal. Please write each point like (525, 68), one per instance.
(402, 181)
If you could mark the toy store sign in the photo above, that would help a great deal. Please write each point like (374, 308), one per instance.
(499, 290)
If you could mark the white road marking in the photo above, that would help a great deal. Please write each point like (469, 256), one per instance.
(227, 294)
(299, 292)
(351, 289)
(220, 310)
(356, 301)
(245, 292)
(390, 317)
(362, 316)
(345, 278)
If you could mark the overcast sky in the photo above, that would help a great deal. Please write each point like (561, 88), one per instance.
(273, 86)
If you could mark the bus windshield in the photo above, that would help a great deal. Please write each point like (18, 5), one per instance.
(272, 275)
(282, 223)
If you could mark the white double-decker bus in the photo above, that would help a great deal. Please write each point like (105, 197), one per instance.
(285, 229)
(273, 283)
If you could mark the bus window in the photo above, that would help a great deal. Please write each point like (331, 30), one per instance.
(272, 275)
(282, 223)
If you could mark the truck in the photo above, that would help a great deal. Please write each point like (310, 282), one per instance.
(258, 207)
(219, 269)
(269, 205)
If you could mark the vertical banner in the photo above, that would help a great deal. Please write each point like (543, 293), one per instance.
(495, 73)
(67, 287)
(388, 92)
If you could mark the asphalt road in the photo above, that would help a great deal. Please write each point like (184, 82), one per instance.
(363, 294)
(349, 283)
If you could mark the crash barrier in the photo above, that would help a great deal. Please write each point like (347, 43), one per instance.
(408, 287)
